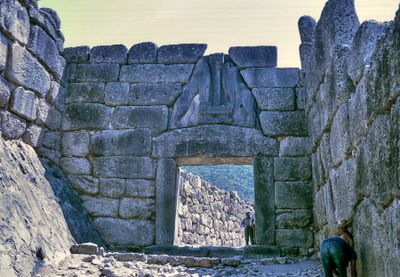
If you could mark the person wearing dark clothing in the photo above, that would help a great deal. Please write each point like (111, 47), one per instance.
(249, 227)
(337, 252)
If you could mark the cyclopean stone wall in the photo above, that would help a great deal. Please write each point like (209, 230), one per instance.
(133, 116)
(208, 215)
(351, 75)
(40, 214)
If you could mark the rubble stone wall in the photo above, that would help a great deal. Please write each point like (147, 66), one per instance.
(133, 116)
(351, 74)
(208, 215)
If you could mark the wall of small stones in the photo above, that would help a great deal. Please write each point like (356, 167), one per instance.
(133, 116)
(351, 74)
(31, 69)
(208, 215)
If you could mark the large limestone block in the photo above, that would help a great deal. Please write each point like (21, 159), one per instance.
(214, 141)
(145, 52)
(154, 118)
(319, 207)
(14, 20)
(293, 146)
(52, 140)
(78, 166)
(45, 49)
(26, 71)
(86, 116)
(383, 156)
(75, 144)
(136, 208)
(4, 93)
(264, 188)
(140, 188)
(180, 53)
(166, 201)
(153, 94)
(48, 115)
(295, 219)
(364, 45)
(292, 169)
(85, 92)
(96, 72)
(126, 232)
(254, 56)
(293, 195)
(116, 93)
(78, 54)
(271, 77)
(344, 183)
(121, 143)
(358, 114)
(56, 96)
(33, 136)
(23, 103)
(109, 54)
(306, 26)
(85, 184)
(284, 123)
(12, 126)
(340, 135)
(275, 99)
(100, 206)
(294, 238)
(112, 187)
(124, 167)
(3, 51)
(156, 73)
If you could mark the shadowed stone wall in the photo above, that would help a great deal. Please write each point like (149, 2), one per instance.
(208, 215)
(132, 116)
(351, 75)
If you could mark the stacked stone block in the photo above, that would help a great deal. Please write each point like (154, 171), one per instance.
(208, 215)
(121, 146)
(351, 76)
(31, 69)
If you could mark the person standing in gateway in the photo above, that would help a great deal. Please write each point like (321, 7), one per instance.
(249, 227)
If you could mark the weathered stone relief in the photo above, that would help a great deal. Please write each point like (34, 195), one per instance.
(215, 94)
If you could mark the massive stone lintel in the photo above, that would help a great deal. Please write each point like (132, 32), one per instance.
(254, 56)
(214, 141)
(271, 77)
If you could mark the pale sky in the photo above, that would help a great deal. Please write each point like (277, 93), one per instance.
(219, 23)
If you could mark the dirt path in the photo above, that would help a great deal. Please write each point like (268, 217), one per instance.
(162, 265)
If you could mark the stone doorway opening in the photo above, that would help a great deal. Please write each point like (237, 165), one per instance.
(212, 200)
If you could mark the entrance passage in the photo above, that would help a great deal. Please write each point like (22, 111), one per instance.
(212, 202)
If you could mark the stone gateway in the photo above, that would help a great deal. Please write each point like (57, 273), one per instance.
(115, 124)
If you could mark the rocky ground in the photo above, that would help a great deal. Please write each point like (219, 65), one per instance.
(133, 264)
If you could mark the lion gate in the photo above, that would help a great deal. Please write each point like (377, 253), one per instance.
(132, 117)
